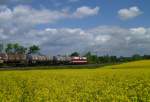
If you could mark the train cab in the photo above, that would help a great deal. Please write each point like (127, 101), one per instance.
(79, 60)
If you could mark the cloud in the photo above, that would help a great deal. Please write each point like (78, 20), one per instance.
(111, 40)
(121, 41)
(18, 25)
(139, 30)
(22, 19)
(86, 11)
(27, 15)
(130, 13)
(57, 41)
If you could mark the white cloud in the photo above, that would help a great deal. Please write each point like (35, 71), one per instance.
(22, 20)
(5, 13)
(35, 16)
(86, 11)
(120, 41)
(104, 39)
(139, 30)
(129, 13)
(27, 15)
(18, 25)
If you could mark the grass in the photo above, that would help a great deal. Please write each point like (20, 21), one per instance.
(122, 83)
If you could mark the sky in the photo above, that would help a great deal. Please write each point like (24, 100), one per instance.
(114, 27)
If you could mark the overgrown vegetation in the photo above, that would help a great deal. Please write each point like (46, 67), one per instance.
(93, 58)
(119, 83)
(17, 48)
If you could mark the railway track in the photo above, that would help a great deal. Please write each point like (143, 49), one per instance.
(87, 66)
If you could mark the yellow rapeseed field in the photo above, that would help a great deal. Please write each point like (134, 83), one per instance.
(128, 82)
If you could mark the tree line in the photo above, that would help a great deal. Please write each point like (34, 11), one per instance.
(92, 58)
(19, 49)
(95, 59)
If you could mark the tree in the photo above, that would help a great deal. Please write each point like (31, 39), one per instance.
(136, 57)
(89, 57)
(19, 49)
(75, 54)
(1, 48)
(22, 50)
(92, 58)
(88, 54)
(16, 47)
(34, 49)
(9, 48)
(146, 57)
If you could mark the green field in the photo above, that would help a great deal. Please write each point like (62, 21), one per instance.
(121, 83)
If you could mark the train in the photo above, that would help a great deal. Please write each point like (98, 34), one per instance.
(39, 59)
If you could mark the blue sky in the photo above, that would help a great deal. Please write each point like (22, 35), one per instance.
(63, 26)
(107, 14)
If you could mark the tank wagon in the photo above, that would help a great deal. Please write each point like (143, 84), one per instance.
(61, 59)
(1, 61)
(38, 59)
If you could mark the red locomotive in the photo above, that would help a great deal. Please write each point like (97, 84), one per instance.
(78, 60)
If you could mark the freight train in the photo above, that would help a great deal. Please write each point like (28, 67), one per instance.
(39, 59)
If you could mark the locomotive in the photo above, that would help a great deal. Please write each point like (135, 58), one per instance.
(39, 59)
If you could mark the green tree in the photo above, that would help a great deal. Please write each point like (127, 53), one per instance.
(34, 49)
(1, 48)
(93, 59)
(136, 57)
(16, 47)
(89, 57)
(22, 50)
(19, 49)
(9, 48)
(88, 54)
(75, 54)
